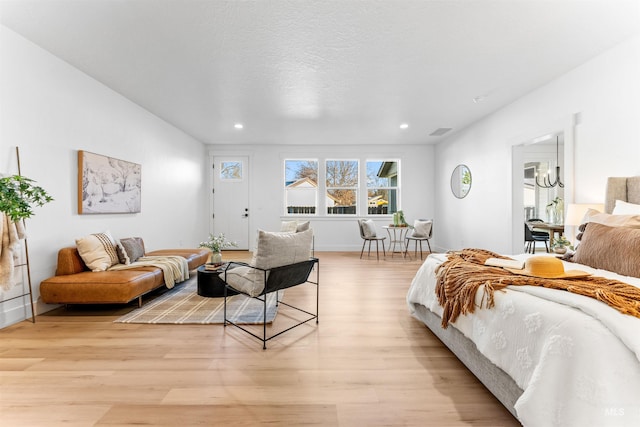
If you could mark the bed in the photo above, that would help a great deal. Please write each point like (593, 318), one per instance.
(551, 357)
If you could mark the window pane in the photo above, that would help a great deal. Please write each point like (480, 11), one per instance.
(382, 173)
(230, 171)
(342, 173)
(382, 201)
(301, 186)
(382, 187)
(340, 202)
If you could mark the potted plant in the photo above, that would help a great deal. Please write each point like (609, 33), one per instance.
(561, 244)
(18, 196)
(216, 244)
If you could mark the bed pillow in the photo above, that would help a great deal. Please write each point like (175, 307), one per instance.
(98, 251)
(422, 228)
(130, 249)
(368, 228)
(592, 215)
(610, 248)
(625, 208)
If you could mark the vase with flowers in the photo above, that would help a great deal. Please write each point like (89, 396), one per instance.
(216, 244)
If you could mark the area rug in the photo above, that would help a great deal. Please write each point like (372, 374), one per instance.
(183, 305)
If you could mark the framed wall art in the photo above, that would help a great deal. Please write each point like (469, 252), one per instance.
(107, 185)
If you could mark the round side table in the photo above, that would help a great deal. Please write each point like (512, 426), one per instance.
(210, 283)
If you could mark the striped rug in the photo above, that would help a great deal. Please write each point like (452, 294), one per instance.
(183, 305)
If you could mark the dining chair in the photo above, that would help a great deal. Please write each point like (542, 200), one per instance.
(368, 234)
(422, 231)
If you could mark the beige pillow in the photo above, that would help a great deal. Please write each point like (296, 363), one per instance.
(274, 249)
(302, 226)
(98, 251)
(593, 215)
(610, 248)
(368, 228)
(288, 226)
(422, 228)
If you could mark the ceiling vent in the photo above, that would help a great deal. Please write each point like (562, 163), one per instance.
(440, 131)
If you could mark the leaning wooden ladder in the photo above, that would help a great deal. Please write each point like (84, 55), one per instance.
(24, 263)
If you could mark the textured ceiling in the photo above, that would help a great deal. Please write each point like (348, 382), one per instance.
(322, 72)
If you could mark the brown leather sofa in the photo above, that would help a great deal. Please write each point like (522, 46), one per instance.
(74, 283)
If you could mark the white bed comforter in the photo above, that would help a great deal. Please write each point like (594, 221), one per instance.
(576, 359)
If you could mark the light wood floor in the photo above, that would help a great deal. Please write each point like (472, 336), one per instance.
(367, 363)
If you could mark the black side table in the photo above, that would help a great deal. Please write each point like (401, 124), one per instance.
(210, 283)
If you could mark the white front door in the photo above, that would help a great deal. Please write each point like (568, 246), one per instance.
(231, 199)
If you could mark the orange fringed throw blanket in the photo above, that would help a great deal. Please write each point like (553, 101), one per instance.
(458, 280)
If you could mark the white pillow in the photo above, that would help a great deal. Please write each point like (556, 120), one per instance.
(625, 208)
(592, 215)
(98, 251)
(422, 228)
(369, 228)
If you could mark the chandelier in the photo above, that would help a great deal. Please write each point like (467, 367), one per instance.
(546, 179)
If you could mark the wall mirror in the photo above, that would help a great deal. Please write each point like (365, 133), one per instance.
(461, 181)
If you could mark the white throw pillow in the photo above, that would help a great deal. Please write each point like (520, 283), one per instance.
(369, 228)
(625, 208)
(98, 251)
(422, 228)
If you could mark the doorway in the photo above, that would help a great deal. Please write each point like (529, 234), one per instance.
(230, 199)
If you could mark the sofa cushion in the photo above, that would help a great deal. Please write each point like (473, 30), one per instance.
(98, 251)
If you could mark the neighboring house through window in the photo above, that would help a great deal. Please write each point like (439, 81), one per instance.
(341, 185)
(382, 187)
(301, 186)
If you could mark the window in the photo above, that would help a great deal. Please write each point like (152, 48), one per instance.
(301, 186)
(342, 187)
(382, 187)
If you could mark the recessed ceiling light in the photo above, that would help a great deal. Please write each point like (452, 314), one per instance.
(404, 126)
(238, 126)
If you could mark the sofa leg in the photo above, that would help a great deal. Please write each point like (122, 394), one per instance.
(140, 301)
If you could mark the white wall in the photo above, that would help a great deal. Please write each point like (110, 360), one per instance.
(50, 110)
(337, 233)
(596, 105)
